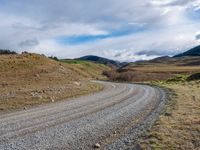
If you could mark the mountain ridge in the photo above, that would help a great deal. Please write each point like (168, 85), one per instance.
(192, 52)
(102, 60)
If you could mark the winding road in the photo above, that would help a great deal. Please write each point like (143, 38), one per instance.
(114, 118)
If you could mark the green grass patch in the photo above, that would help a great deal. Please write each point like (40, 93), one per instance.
(177, 79)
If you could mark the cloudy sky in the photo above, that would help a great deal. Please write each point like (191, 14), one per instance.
(125, 30)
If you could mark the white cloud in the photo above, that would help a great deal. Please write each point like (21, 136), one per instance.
(35, 25)
(145, 45)
(198, 36)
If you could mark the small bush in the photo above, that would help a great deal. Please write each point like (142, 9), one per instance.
(126, 76)
(122, 76)
(111, 74)
(178, 78)
(6, 52)
(54, 58)
(193, 77)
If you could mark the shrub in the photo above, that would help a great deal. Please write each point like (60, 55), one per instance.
(6, 52)
(125, 76)
(122, 76)
(195, 76)
(177, 78)
(111, 74)
(54, 58)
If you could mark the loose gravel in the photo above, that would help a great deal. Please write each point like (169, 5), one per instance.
(113, 118)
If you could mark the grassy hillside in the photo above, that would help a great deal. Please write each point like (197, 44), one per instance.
(86, 69)
(31, 79)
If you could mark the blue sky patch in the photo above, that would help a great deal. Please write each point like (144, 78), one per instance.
(194, 15)
(80, 39)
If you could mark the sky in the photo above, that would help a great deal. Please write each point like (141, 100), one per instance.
(124, 30)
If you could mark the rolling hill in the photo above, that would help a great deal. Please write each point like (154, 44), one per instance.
(160, 68)
(32, 79)
(101, 60)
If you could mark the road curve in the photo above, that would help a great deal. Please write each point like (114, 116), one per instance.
(113, 117)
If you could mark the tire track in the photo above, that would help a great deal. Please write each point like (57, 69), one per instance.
(79, 123)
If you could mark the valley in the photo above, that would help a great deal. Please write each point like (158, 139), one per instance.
(41, 96)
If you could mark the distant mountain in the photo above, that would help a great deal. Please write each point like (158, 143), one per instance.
(102, 60)
(192, 52)
(160, 68)
(177, 61)
(160, 59)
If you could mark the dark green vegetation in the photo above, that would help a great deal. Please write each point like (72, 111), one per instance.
(193, 77)
(193, 52)
(54, 58)
(6, 52)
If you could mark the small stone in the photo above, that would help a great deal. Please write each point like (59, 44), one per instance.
(34, 94)
(52, 100)
(40, 96)
(25, 108)
(77, 83)
(194, 98)
(115, 132)
(97, 145)
(37, 75)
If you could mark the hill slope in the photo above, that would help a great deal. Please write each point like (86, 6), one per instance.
(192, 52)
(30, 79)
(101, 60)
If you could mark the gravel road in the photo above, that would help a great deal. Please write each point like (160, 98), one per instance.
(114, 118)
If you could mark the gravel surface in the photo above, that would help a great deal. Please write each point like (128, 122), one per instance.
(111, 119)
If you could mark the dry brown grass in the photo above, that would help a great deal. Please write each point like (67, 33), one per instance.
(156, 68)
(164, 68)
(157, 71)
(179, 127)
(32, 79)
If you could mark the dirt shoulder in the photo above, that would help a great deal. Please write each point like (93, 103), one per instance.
(179, 126)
